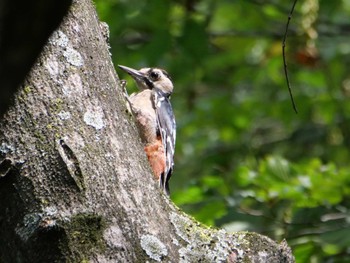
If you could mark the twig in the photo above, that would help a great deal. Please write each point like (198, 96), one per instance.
(284, 57)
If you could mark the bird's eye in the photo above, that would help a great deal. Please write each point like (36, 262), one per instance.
(154, 75)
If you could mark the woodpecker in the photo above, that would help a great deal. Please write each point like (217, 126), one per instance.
(155, 119)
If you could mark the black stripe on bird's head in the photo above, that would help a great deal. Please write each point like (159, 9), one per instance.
(151, 78)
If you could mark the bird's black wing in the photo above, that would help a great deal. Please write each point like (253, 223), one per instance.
(167, 129)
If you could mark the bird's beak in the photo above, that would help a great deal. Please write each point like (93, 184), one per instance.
(141, 81)
(135, 74)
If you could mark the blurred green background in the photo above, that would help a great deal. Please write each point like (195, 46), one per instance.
(244, 159)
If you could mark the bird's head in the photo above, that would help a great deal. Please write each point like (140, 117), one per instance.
(151, 78)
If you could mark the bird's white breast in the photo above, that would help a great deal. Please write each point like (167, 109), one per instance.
(145, 114)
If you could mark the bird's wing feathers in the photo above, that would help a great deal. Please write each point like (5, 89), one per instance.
(167, 128)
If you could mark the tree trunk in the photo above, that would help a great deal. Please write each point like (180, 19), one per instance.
(75, 184)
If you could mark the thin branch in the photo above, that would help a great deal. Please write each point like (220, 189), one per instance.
(284, 57)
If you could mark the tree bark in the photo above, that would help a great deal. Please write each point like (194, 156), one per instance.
(75, 184)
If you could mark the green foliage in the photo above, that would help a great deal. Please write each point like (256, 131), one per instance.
(244, 159)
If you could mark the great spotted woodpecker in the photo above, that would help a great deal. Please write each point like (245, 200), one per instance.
(155, 119)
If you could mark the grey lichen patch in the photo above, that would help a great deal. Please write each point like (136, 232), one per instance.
(58, 38)
(182, 225)
(94, 118)
(153, 247)
(203, 244)
(73, 57)
(50, 211)
(64, 115)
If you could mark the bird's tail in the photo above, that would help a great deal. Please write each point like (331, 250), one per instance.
(164, 181)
